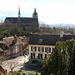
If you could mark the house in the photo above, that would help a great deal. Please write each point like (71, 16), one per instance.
(29, 23)
(12, 46)
(25, 42)
(41, 46)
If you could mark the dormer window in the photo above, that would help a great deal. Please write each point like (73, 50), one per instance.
(40, 40)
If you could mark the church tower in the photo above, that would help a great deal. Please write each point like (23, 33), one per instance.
(35, 15)
(19, 14)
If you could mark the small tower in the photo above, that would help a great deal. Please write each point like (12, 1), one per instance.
(35, 15)
(19, 14)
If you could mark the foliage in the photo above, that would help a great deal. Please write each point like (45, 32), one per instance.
(56, 30)
(7, 30)
(26, 72)
(60, 61)
(36, 30)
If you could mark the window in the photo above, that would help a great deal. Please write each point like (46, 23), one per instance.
(40, 40)
(33, 48)
(46, 49)
(40, 56)
(19, 47)
(49, 50)
(42, 49)
(39, 49)
(32, 55)
(52, 48)
(45, 55)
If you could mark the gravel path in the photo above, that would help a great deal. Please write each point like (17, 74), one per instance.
(15, 64)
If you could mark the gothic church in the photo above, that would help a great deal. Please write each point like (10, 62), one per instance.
(30, 23)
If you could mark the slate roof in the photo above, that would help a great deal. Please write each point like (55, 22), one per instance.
(48, 39)
(22, 19)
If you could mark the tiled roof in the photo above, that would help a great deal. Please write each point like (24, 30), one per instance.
(47, 39)
(22, 19)
(1, 50)
(9, 40)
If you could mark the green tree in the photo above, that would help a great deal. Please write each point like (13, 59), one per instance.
(60, 62)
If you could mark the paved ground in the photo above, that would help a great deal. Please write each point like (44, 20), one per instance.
(16, 63)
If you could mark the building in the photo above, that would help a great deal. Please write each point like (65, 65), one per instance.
(12, 46)
(41, 46)
(25, 41)
(30, 23)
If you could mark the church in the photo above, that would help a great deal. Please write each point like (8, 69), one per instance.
(29, 23)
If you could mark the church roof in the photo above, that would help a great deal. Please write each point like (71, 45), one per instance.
(22, 19)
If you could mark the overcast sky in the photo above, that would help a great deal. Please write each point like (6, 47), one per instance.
(49, 11)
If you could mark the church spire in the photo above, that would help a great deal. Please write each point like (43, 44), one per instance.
(35, 13)
(19, 14)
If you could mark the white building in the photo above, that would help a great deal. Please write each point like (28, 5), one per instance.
(41, 46)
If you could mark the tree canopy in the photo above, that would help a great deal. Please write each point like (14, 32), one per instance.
(7, 30)
(61, 61)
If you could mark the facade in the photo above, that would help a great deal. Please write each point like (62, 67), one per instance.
(41, 46)
(12, 46)
(30, 23)
(25, 42)
(40, 51)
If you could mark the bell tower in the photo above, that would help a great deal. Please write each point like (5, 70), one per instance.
(35, 15)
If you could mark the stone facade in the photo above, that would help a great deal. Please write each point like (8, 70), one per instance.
(40, 51)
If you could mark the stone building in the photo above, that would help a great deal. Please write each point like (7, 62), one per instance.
(41, 46)
(11, 46)
(29, 23)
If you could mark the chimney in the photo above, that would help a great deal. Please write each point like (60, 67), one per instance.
(15, 39)
(61, 35)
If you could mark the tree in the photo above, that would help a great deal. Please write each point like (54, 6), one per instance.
(60, 61)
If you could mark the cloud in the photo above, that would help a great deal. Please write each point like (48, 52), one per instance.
(47, 12)
(57, 13)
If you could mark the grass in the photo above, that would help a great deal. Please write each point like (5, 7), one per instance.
(26, 72)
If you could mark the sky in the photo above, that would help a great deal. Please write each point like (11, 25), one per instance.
(49, 11)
